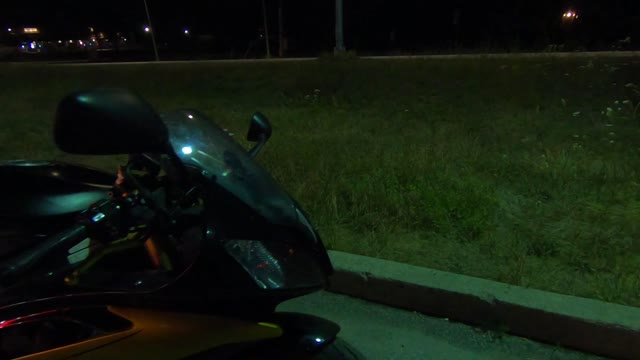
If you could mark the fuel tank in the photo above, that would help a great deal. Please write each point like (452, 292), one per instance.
(42, 198)
(42, 189)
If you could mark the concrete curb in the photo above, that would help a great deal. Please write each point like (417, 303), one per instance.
(543, 55)
(586, 325)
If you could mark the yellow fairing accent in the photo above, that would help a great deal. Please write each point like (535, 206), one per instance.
(162, 335)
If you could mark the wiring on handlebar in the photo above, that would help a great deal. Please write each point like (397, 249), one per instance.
(148, 198)
(149, 210)
(174, 195)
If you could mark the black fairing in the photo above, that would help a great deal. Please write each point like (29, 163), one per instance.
(41, 189)
(42, 198)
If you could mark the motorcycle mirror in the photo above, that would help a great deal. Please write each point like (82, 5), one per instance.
(259, 128)
(108, 122)
(259, 131)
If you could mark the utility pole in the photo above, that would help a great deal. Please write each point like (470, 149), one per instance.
(153, 30)
(266, 29)
(280, 30)
(339, 29)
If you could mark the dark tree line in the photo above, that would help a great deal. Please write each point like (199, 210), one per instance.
(369, 25)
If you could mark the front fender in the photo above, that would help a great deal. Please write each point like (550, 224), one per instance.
(305, 333)
(303, 336)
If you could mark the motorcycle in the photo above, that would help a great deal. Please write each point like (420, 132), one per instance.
(184, 253)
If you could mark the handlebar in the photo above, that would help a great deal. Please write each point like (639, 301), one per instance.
(25, 262)
(105, 221)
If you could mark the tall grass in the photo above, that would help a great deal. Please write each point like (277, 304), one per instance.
(511, 170)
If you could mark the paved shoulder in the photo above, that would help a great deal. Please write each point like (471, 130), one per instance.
(381, 332)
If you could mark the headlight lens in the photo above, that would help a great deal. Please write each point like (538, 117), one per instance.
(276, 265)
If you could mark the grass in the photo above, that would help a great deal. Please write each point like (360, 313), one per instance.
(521, 171)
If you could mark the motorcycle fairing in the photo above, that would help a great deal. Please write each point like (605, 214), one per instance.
(49, 188)
(162, 335)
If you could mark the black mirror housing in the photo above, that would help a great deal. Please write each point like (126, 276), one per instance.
(108, 122)
(259, 128)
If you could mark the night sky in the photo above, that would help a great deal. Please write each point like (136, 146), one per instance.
(371, 25)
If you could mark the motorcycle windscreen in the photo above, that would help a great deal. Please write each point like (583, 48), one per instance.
(199, 142)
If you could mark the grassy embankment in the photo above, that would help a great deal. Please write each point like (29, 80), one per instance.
(512, 170)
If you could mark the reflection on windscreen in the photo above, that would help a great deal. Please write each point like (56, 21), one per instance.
(200, 142)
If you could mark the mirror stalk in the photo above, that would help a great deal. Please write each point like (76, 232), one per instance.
(257, 147)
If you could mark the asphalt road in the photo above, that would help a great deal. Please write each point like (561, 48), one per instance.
(381, 332)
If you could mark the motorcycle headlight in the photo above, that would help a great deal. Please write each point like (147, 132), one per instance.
(276, 265)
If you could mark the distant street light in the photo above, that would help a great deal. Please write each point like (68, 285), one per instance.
(280, 31)
(186, 31)
(9, 29)
(339, 29)
(266, 29)
(570, 15)
(148, 29)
